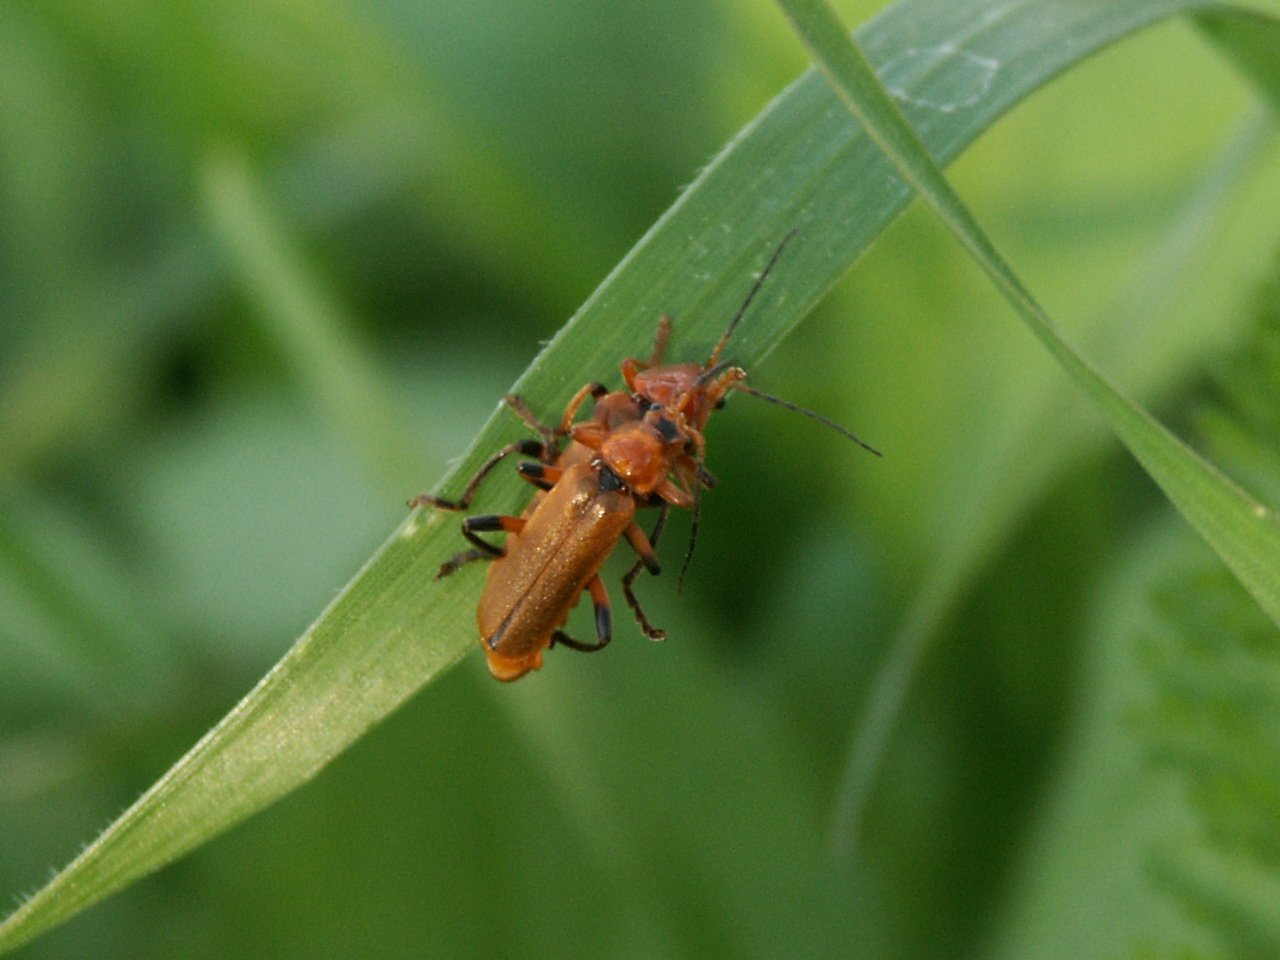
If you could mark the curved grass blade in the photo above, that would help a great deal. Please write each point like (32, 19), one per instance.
(1006, 482)
(802, 164)
(1241, 530)
(302, 317)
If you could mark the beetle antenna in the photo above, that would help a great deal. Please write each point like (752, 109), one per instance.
(702, 479)
(693, 531)
(751, 295)
(808, 413)
(707, 375)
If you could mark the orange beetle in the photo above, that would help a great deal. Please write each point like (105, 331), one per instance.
(639, 449)
(550, 557)
(554, 550)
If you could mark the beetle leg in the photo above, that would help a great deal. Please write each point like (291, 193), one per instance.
(604, 621)
(631, 366)
(590, 433)
(594, 390)
(644, 547)
(550, 438)
(461, 560)
(660, 340)
(489, 523)
(541, 475)
(529, 448)
(671, 493)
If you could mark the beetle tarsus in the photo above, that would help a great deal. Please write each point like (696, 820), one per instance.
(459, 560)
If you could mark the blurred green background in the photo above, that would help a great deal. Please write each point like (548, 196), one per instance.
(177, 501)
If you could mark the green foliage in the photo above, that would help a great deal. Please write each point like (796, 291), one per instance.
(269, 265)
(1214, 665)
(1242, 531)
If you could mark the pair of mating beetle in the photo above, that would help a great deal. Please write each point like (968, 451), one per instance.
(642, 448)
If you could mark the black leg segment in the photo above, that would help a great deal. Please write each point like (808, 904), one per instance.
(649, 562)
(528, 448)
(541, 475)
(490, 523)
(604, 621)
(461, 560)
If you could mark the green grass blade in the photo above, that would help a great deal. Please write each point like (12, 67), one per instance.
(1240, 529)
(1249, 40)
(802, 164)
(309, 327)
(1007, 481)
(1172, 773)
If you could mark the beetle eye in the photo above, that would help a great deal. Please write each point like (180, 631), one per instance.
(666, 429)
(720, 404)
